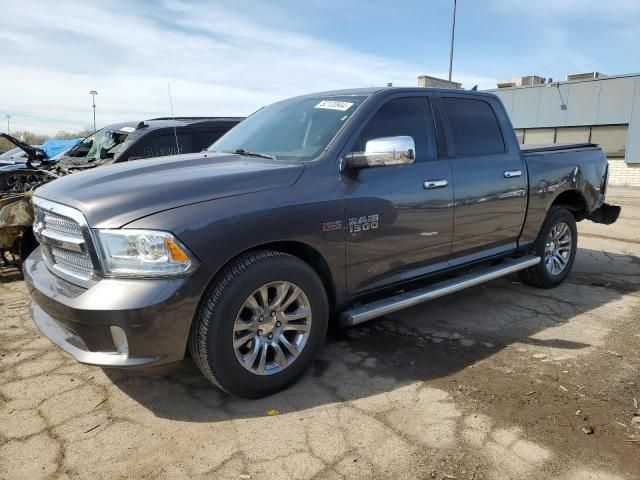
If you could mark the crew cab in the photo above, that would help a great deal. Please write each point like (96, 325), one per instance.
(331, 207)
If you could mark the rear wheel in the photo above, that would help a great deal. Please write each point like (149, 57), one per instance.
(260, 325)
(556, 245)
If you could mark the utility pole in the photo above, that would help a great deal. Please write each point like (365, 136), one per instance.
(8, 124)
(93, 94)
(453, 35)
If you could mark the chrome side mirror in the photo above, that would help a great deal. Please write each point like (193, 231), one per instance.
(384, 152)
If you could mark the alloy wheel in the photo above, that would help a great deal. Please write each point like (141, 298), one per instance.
(272, 328)
(557, 250)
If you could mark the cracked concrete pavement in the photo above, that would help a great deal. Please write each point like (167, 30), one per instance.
(493, 382)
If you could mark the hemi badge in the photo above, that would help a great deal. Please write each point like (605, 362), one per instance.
(332, 226)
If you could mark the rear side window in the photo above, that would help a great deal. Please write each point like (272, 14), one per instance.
(154, 145)
(474, 127)
(403, 117)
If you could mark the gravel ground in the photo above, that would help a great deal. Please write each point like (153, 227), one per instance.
(499, 381)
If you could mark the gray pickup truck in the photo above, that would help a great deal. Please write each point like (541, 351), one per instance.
(331, 207)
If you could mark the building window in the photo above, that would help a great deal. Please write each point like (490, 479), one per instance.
(539, 136)
(611, 138)
(520, 135)
(573, 134)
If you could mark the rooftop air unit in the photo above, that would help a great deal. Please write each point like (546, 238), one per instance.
(521, 81)
(585, 76)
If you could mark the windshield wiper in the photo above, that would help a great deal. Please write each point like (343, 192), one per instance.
(242, 151)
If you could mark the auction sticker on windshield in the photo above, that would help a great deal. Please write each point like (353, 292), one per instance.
(334, 105)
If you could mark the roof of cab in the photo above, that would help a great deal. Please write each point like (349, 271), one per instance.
(376, 90)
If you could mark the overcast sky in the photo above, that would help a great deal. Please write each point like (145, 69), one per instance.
(231, 57)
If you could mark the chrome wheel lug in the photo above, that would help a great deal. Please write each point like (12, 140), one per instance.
(273, 314)
(259, 332)
(278, 324)
(261, 319)
(270, 336)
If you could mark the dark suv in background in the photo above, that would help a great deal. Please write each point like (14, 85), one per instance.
(157, 137)
(116, 143)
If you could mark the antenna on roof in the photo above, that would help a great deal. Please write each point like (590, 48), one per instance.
(175, 132)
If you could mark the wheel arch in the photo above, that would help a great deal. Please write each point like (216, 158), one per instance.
(312, 257)
(574, 201)
(302, 250)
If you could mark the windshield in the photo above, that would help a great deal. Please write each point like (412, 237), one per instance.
(63, 153)
(102, 147)
(297, 128)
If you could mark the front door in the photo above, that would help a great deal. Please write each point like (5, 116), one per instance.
(398, 219)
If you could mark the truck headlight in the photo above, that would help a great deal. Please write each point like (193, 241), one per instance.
(143, 253)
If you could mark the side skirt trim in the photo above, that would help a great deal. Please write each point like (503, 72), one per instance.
(378, 308)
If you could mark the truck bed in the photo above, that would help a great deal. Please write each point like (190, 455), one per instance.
(550, 147)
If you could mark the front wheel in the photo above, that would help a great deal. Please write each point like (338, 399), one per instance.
(260, 325)
(556, 245)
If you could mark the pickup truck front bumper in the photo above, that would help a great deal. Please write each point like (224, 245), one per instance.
(115, 322)
(606, 214)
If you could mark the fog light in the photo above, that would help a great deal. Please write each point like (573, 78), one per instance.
(119, 339)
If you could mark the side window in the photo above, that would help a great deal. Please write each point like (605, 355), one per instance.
(474, 127)
(403, 116)
(162, 145)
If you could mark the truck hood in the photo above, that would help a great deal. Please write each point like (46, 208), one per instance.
(112, 196)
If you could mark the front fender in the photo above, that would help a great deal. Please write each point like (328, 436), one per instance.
(216, 231)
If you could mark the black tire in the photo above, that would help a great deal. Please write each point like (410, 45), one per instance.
(210, 339)
(539, 275)
(28, 244)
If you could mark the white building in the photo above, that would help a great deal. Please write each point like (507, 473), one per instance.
(586, 108)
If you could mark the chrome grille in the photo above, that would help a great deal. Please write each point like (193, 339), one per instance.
(63, 241)
(74, 263)
(59, 224)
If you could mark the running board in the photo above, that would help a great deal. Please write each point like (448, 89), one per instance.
(378, 308)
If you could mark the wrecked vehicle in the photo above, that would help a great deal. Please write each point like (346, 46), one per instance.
(24, 152)
(23, 173)
(340, 206)
(16, 216)
(115, 143)
(15, 155)
(17, 180)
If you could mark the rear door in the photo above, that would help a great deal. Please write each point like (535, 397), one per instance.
(396, 227)
(489, 177)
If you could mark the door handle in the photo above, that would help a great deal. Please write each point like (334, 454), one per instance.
(430, 184)
(512, 173)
